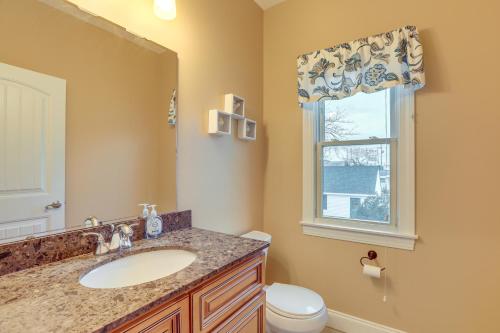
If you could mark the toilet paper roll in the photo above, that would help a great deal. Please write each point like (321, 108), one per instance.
(372, 271)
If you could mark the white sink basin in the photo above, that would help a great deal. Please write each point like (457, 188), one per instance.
(138, 268)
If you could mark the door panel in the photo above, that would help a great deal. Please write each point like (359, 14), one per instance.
(24, 128)
(32, 151)
(248, 319)
(172, 318)
(23, 228)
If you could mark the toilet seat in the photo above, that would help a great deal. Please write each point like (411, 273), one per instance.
(293, 302)
(294, 309)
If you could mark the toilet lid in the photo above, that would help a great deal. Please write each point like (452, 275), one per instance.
(293, 301)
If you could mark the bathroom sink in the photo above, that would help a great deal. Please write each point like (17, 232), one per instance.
(138, 268)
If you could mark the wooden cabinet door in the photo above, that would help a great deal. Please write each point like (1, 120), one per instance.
(173, 318)
(217, 300)
(250, 318)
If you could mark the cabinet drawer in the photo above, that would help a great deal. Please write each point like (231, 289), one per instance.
(250, 318)
(173, 318)
(219, 299)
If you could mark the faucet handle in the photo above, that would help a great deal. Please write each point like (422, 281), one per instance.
(126, 233)
(102, 246)
(91, 221)
(125, 229)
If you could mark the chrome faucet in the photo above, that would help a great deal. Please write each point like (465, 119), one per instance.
(125, 232)
(121, 238)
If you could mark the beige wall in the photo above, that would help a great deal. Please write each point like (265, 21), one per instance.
(451, 282)
(119, 148)
(219, 45)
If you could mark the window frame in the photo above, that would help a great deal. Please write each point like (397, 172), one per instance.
(401, 233)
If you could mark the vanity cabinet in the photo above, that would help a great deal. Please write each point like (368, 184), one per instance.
(170, 318)
(232, 301)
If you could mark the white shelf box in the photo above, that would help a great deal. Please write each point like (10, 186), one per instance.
(247, 129)
(219, 122)
(234, 105)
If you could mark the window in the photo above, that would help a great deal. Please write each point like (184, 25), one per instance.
(357, 138)
(359, 169)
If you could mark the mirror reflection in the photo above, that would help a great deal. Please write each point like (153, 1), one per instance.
(87, 120)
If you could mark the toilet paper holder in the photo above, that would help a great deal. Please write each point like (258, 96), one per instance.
(372, 255)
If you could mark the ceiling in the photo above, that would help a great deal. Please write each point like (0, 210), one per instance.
(265, 4)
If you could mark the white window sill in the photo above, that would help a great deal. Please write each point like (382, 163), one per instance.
(365, 236)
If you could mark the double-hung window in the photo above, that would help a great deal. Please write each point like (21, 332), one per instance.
(359, 168)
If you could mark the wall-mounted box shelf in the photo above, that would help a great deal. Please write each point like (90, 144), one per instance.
(247, 129)
(234, 105)
(219, 122)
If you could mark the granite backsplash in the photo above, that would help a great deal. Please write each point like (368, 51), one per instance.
(38, 251)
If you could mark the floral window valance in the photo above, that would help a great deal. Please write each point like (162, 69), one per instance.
(366, 64)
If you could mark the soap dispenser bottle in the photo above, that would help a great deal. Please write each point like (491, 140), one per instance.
(154, 224)
(145, 211)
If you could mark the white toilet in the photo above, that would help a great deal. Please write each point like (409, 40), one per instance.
(289, 308)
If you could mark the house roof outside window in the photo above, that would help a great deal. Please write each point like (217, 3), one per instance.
(362, 179)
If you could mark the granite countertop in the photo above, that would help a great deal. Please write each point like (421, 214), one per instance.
(49, 298)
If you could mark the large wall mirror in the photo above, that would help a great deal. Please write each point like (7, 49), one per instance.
(87, 120)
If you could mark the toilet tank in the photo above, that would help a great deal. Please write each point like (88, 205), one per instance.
(259, 235)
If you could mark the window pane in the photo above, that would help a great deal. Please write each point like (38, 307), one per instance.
(356, 182)
(358, 117)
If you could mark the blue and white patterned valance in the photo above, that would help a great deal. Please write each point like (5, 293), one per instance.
(366, 64)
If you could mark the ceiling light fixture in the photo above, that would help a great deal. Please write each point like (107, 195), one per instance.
(165, 9)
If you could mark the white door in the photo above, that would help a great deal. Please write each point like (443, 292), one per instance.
(32, 143)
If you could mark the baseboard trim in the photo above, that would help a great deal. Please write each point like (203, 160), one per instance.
(350, 324)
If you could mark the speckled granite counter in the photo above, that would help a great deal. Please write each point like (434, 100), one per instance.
(49, 298)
